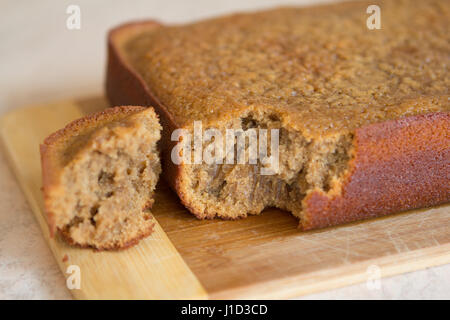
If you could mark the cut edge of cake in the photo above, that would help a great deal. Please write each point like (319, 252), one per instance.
(91, 168)
(391, 166)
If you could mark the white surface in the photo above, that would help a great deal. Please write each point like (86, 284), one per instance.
(42, 61)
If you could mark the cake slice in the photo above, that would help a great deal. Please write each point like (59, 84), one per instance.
(363, 115)
(99, 174)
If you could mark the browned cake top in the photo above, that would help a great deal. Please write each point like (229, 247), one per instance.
(62, 146)
(320, 68)
(69, 140)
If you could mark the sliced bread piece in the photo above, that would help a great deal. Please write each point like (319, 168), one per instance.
(99, 173)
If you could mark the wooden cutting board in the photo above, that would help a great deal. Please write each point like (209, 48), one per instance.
(263, 256)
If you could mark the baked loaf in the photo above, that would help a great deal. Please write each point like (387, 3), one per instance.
(364, 115)
(99, 173)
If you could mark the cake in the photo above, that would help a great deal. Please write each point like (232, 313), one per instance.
(363, 115)
(99, 174)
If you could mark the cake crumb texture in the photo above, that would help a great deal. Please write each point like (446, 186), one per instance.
(363, 115)
(99, 173)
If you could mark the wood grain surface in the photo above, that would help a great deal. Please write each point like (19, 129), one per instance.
(151, 270)
(263, 256)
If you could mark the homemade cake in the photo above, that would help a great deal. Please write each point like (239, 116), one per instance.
(363, 115)
(99, 173)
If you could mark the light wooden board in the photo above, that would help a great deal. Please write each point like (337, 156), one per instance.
(152, 270)
(263, 256)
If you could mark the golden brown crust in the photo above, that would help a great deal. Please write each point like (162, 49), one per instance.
(380, 180)
(307, 65)
(398, 165)
(66, 237)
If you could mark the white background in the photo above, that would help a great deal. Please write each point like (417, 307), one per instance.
(42, 61)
